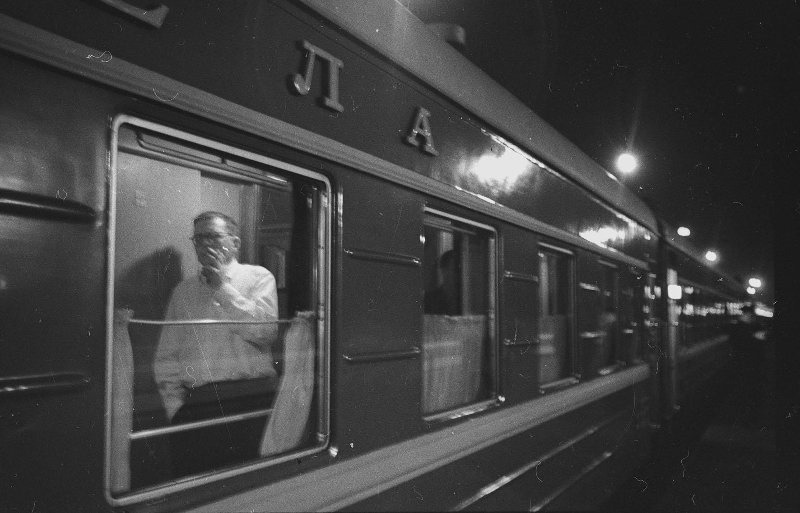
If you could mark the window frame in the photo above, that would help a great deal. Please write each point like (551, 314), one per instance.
(491, 317)
(322, 292)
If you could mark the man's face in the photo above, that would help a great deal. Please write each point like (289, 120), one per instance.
(212, 241)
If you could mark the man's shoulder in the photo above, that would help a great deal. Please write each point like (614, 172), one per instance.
(255, 271)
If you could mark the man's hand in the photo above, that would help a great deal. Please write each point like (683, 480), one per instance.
(214, 267)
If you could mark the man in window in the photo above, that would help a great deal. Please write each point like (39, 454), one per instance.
(445, 299)
(219, 368)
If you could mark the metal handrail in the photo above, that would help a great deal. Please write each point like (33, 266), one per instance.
(150, 433)
(189, 322)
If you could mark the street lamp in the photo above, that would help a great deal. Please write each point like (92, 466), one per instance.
(627, 163)
(711, 255)
(754, 282)
(684, 231)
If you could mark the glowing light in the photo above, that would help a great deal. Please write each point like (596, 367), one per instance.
(711, 256)
(627, 163)
(763, 312)
(751, 290)
(684, 231)
(674, 292)
(754, 282)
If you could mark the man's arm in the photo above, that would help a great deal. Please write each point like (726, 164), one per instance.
(258, 303)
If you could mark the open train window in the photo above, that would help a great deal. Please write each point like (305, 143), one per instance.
(459, 354)
(218, 284)
(555, 346)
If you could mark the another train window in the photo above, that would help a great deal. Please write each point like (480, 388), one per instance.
(459, 355)
(600, 318)
(690, 308)
(632, 318)
(608, 320)
(555, 315)
(219, 265)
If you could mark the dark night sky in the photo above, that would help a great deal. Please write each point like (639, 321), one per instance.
(688, 86)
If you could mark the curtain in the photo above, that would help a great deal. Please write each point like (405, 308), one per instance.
(452, 360)
(287, 424)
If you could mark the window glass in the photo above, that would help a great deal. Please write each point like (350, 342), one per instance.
(633, 312)
(691, 311)
(458, 342)
(555, 316)
(217, 289)
(608, 321)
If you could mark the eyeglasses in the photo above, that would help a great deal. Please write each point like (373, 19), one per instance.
(208, 238)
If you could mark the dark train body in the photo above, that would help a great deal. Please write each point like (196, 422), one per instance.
(356, 149)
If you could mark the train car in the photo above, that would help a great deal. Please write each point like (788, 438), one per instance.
(465, 311)
(701, 305)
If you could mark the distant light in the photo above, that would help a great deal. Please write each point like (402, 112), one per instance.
(711, 256)
(627, 163)
(674, 292)
(754, 282)
(751, 290)
(684, 231)
(763, 311)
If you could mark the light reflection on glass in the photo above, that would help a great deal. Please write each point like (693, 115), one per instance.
(603, 236)
(501, 169)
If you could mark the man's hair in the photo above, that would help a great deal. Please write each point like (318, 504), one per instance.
(230, 224)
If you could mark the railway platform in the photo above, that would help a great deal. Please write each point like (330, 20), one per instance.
(716, 455)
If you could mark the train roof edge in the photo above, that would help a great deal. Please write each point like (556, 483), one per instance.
(390, 29)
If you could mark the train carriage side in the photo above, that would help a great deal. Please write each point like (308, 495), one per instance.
(464, 322)
(701, 303)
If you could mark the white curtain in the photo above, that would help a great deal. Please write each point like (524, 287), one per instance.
(290, 412)
(452, 359)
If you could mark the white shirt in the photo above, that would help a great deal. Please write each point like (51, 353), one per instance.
(190, 356)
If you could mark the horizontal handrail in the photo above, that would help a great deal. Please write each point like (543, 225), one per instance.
(388, 355)
(33, 383)
(150, 433)
(190, 322)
